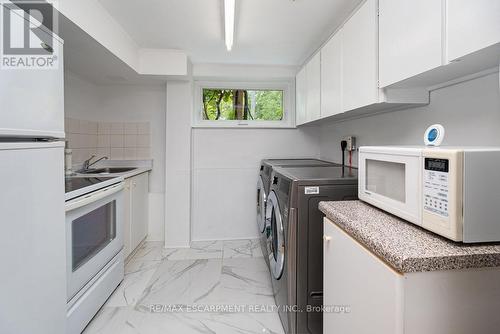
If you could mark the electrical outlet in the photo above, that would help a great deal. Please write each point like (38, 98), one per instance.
(351, 143)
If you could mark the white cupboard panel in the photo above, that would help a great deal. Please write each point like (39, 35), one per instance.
(474, 294)
(472, 25)
(360, 58)
(301, 96)
(140, 209)
(355, 278)
(127, 199)
(410, 38)
(331, 76)
(136, 211)
(313, 68)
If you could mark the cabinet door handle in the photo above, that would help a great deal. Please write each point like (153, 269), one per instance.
(327, 238)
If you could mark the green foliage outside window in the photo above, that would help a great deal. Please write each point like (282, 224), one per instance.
(239, 104)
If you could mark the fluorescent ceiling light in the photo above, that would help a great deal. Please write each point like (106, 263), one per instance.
(229, 10)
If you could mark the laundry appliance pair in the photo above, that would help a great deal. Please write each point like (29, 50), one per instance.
(291, 232)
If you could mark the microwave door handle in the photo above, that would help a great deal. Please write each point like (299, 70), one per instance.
(94, 197)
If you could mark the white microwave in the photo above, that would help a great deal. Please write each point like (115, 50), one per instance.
(451, 191)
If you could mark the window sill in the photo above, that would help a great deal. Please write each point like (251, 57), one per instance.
(242, 126)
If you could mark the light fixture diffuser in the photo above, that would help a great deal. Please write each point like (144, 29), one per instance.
(229, 12)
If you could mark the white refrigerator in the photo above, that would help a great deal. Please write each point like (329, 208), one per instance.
(32, 218)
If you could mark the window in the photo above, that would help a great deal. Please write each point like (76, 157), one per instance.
(226, 104)
(242, 104)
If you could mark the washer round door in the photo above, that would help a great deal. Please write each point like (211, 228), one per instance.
(261, 206)
(276, 239)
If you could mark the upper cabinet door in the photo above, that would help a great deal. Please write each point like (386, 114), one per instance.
(360, 59)
(331, 76)
(313, 69)
(472, 25)
(410, 39)
(301, 96)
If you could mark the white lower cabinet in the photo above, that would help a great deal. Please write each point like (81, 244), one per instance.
(356, 279)
(373, 298)
(136, 211)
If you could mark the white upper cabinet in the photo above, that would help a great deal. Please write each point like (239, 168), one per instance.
(421, 41)
(472, 26)
(313, 103)
(331, 76)
(410, 38)
(342, 80)
(301, 96)
(360, 59)
(389, 53)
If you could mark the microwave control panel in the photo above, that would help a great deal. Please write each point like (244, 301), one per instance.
(436, 186)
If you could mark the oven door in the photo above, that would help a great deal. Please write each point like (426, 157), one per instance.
(94, 234)
(391, 181)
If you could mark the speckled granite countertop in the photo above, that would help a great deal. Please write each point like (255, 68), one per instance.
(404, 246)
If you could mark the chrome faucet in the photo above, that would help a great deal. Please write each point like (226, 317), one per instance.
(87, 164)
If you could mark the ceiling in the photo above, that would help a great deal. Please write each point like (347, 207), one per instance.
(85, 57)
(271, 32)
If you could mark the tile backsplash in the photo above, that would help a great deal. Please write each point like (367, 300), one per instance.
(116, 140)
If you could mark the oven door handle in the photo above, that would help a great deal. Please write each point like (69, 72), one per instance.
(93, 197)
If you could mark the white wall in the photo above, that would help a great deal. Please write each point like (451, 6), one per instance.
(225, 162)
(86, 101)
(178, 164)
(211, 173)
(81, 98)
(225, 170)
(469, 111)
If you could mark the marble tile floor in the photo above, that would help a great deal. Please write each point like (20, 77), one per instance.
(213, 287)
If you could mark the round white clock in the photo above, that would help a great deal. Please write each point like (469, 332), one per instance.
(434, 135)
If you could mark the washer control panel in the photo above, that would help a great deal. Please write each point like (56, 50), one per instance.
(436, 186)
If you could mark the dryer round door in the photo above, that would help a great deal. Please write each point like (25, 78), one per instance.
(276, 239)
(261, 206)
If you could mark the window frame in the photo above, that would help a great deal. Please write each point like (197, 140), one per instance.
(287, 87)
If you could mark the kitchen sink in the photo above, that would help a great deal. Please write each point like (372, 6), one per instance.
(108, 170)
